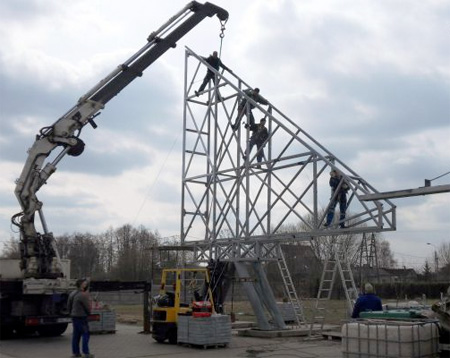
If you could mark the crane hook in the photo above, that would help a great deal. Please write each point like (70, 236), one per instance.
(222, 34)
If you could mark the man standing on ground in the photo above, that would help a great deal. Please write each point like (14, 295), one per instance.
(79, 306)
(367, 302)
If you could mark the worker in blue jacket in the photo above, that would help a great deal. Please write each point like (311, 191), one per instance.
(367, 302)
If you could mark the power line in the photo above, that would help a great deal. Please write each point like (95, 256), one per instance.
(150, 188)
(416, 257)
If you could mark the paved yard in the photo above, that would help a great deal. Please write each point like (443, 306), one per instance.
(128, 343)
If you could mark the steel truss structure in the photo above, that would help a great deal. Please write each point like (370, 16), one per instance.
(236, 209)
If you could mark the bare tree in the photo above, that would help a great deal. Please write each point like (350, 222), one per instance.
(11, 249)
(322, 246)
(125, 268)
(84, 255)
(134, 258)
(146, 241)
(443, 253)
(426, 271)
(107, 252)
(64, 244)
(125, 253)
(385, 255)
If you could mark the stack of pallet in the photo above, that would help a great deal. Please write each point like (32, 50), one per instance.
(287, 311)
(105, 321)
(204, 331)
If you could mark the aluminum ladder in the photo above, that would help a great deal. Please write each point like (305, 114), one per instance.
(290, 290)
(336, 263)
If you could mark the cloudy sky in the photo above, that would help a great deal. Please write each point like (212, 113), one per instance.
(370, 80)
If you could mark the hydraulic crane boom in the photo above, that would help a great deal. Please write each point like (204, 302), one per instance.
(39, 257)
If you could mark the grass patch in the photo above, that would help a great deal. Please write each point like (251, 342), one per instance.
(129, 314)
(335, 311)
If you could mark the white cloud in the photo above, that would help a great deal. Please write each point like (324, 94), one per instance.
(369, 80)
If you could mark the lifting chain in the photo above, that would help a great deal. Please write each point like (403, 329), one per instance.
(222, 34)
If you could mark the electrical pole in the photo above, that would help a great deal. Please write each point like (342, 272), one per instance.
(436, 260)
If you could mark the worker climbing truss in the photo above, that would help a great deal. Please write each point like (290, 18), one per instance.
(236, 208)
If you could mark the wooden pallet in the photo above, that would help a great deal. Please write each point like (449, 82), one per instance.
(332, 335)
(203, 346)
(103, 332)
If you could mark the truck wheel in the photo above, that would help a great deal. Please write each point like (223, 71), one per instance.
(52, 330)
(172, 336)
(6, 332)
(21, 330)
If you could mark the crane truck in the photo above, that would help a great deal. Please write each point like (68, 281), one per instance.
(35, 299)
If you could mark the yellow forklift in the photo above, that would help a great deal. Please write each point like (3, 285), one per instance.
(183, 291)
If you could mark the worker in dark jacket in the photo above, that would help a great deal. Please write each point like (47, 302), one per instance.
(337, 183)
(247, 110)
(258, 138)
(79, 307)
(215, 62)
(367, 302)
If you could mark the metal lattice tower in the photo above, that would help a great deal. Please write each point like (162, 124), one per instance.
(368, 258)
(231, 209)
(236, 209)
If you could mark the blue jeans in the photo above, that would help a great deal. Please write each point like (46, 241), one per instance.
(80, 331)
(342, 200)
(260, 149)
